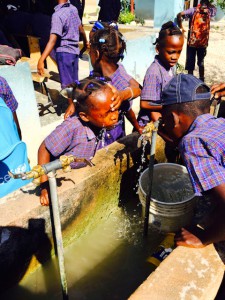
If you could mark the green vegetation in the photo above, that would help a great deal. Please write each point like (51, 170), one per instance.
(220, 3)
(126, 17)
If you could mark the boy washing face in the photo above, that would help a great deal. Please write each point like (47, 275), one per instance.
(201, 142)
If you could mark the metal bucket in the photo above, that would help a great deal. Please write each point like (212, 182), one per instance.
(172, 202)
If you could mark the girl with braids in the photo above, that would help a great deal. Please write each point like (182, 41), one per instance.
(169, 45)
(83, 133)
(107, 46)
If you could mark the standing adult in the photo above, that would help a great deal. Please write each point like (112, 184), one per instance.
(198, 35)
(109, 10)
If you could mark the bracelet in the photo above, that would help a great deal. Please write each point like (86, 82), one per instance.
(132, 93)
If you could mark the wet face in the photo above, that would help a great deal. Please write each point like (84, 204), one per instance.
(100, 114)
(170, 50)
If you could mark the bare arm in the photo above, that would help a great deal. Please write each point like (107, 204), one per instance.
(84, 39)
(17, 124)
(179, 20)
(196, 238)
(49, 47)
(132, 118)
(43, 158)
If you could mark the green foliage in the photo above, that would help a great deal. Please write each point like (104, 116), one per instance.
(126, 17)
(125, 4)
(220, 3)
(139, 20)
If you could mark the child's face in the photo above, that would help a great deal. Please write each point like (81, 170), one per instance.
(170, 51)
(100, 114)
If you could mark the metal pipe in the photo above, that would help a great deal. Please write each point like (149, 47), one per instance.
(150, 171)
(58, 232)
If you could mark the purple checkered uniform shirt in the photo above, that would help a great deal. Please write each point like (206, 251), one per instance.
(7, 95)
(65, 24)
(203, 151)
(120, 79)
(74, 137)
(156, 77)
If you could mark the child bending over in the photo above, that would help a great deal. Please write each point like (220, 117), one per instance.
(83, 133)
(201, 141)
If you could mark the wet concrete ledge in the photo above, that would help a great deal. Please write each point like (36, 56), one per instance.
(86, 196)
(186, 274)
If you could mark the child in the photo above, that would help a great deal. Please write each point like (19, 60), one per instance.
(7, 95)
(83, 133)
(201, 141)
(64, 37)
(106, 49)
(169, 46)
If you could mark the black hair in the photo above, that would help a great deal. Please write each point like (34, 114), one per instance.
(167, 29)
(206, 2)
(110, 42)
(193, 108)
(81, 90)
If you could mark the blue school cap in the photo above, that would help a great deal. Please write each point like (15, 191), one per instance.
(182, 88)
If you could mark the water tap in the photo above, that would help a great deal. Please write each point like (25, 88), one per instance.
(147, 132)
(62, 163)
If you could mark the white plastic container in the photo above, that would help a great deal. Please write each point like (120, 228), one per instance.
(172, 199)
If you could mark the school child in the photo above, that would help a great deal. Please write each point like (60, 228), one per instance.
(198, 34)
(201, 142)
(7, 95)
(83, 133)
(169, 45)
(64, 37)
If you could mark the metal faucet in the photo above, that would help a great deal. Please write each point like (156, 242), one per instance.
(62, 163)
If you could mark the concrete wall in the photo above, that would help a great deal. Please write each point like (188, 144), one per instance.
(166, 10)
(145, 8)
(161, 11)
(20, 80)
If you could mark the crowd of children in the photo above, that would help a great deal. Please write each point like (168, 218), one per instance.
(99, 103)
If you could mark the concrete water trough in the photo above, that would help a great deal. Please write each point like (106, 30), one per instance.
(88, 197)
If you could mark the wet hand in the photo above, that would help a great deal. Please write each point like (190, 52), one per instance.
(187, 239)
(69, 111)
(116, 98)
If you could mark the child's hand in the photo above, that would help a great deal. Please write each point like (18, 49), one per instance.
(116, 98)
(69, 111)
(44, 197)
(218, 90)
(188, 239)
(40, 67)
